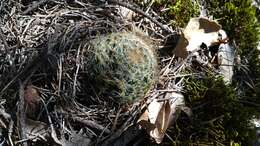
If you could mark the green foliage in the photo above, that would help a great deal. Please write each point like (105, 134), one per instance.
(239, 19)
(123, 64)
(179, 12)
(218, 116)
(182, 11)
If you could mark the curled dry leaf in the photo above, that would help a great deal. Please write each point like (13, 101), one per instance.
(160, 114)
(204, 31)
(199, 30)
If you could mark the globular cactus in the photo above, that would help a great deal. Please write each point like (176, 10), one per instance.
(123, 64)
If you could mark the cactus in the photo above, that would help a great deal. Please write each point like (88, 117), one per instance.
(123, 64)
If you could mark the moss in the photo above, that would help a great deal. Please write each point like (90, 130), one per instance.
(182, 11)
(179, 12)
(218, 116)
(123, 64)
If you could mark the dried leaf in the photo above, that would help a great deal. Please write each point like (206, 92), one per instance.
(161, 123)
(159, 115)
(198, 31)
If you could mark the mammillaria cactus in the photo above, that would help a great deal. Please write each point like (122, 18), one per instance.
(125, 61)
